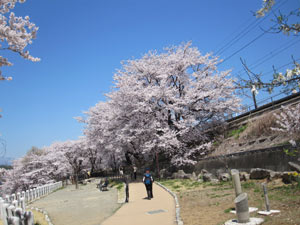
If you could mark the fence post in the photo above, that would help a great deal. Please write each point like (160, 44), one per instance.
(4, 213)
(1, 204)
(23, 204)
(27, 196)
(7, 199)
(30, 194)
(266, 197)
(28, 218)
(18, 196)
(13, 220)
(236, 181)
(13, 196)
(15, 203)
(242, 208)
(10, 211)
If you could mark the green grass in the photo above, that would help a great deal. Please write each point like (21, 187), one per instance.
(248, 185)
(228, 210)
(236, 133)
(177, 184)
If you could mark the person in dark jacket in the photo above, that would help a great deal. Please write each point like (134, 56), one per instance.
(148, 181)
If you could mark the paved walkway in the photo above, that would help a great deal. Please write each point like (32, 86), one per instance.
(86, 206)
(140, 211)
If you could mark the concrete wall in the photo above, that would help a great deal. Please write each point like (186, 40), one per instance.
(270, 158)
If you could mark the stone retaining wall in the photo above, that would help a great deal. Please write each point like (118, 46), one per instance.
(273, 158)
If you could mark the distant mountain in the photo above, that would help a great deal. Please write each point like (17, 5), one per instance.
(6, 160)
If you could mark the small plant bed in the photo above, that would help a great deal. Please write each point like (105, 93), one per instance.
(116, 184)
(210, 204)
(119, 185)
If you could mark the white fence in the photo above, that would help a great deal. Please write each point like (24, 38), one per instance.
(13, 207)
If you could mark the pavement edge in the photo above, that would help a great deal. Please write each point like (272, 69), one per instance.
(177, 206)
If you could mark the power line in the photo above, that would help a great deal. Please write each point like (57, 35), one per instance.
(245, 46)
(245, 31)
(272, 54)
(280, 67)
(231, 42)
(229, 36)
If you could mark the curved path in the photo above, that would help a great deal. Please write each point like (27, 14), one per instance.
(140, 211)
(85, 206)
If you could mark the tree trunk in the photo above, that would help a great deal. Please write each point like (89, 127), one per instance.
(157, 165)
(76, 180)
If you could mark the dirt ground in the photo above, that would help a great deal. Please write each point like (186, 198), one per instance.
(209, 204)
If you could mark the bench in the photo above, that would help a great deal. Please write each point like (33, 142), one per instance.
(103, 186)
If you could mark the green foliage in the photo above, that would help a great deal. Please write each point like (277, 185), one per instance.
(119, 186)
(115, 183)
(292, 152)
(228, 210)
(236, 133)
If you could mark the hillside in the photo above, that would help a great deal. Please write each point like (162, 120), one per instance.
(254, 133)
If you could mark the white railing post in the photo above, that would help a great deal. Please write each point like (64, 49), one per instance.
(34, 193)
(4, 213)
(31, 194)
(29, 220)
(7, 198)
(14, 220)
(1, 203)
(10, 211)
(13, 197)
(15, 203)
(27, 196)
(23, 204)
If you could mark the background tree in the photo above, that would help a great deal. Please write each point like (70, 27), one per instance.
(27, 172)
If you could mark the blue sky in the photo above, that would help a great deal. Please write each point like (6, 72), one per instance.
(81, 44)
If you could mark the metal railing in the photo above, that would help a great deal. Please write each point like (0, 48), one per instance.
(270, 101)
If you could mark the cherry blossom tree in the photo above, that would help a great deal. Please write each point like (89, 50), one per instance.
(27, 172)
(15, 33)
(289, 122)
(158, 100)
(101, 137)
(74, 152)
(55, 162)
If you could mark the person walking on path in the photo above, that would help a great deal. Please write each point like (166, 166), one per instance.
(121, 171)
(148, 181)
(134, 172)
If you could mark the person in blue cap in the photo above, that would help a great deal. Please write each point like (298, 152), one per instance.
(148, 181)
